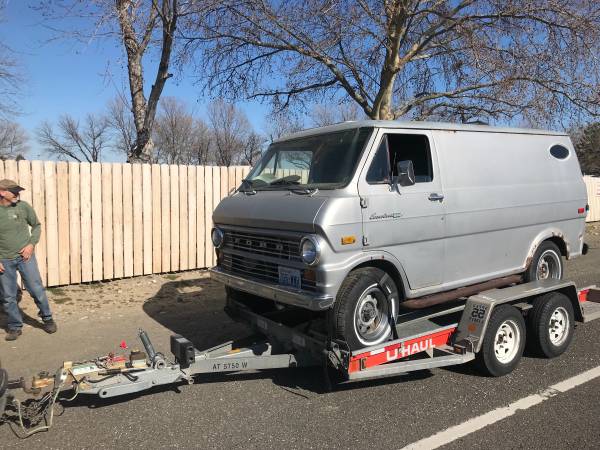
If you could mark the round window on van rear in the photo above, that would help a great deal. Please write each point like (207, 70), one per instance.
(559, 152)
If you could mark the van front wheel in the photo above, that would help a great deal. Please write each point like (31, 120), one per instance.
(366, 307)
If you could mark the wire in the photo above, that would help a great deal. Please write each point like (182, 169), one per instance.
(49, 421)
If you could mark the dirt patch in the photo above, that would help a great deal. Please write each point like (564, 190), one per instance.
(160, 296)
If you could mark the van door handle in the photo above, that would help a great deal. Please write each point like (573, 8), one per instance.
(435, 197)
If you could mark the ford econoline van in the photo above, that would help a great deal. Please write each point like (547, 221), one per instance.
(370, 218)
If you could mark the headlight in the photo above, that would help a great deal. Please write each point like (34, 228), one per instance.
(310, 250)
(217, 237)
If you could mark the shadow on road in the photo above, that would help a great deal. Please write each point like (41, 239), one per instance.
(194, 309)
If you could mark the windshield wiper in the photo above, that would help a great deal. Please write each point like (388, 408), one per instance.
(305, 191)
(287, 180)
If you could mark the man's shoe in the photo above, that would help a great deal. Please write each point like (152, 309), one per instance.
(12, 335)
(50, 326)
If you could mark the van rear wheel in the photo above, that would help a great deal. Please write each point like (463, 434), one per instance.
(546, 263)
(365, 309)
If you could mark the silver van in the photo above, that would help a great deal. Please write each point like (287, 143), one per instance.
(369, 219)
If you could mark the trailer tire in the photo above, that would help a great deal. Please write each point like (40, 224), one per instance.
(503, 343)
(365, 309)
(546, 263)
(551, 323)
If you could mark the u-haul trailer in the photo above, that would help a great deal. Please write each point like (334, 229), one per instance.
(490, 327)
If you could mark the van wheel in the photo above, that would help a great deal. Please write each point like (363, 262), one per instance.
(546, 263)
(503, 342)
(365, 308)
(550, 325)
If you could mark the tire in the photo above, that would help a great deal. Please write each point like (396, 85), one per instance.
(546, 263)
(365, 309)
(550, 325)
(497, 358)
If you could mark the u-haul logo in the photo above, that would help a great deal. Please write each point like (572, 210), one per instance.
(409, 349)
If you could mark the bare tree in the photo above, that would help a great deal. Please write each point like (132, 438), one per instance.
(233, 137)
(136, 40)
(322, 115)
(587, 144)
(79, 142)
(120, 120)
(10, 78)
(13, 140)
(179, 137)
(251, 149)
(461, 60)
(200, 153)
(281, 123)
(140, 26)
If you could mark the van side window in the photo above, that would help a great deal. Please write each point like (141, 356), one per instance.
(559, 152)
(401, 147)
(379, 171)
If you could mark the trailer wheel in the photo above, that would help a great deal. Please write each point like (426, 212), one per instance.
(365, 308)
(503, 342)
(550, 325)
(546, 263)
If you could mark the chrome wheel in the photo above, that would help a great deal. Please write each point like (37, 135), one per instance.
(558, 327)
(549, 266)
(507, 341)
(372, 324)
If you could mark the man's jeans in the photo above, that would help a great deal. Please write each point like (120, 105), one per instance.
(33, 283)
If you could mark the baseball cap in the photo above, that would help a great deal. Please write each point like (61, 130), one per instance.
(10, 185)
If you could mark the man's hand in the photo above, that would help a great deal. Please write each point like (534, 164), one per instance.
(1, 268)
(26, 252)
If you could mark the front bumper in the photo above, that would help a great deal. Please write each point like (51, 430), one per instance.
(272, 291)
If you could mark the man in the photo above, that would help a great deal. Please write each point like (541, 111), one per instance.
(16, 254)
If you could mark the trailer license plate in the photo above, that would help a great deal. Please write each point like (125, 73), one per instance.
(290, 277)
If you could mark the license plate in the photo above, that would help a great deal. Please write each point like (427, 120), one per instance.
(289, 277)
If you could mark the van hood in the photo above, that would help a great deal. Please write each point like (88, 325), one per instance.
(280, 210)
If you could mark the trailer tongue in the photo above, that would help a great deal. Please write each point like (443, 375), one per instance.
(488, 326)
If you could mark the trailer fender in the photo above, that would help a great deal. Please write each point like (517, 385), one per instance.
(478, 308)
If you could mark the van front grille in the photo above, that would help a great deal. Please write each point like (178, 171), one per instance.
(286, 249)
(258, 269)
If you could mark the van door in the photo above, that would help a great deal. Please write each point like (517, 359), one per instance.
(406, 221)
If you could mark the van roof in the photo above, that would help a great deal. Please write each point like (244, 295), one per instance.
(418, 126)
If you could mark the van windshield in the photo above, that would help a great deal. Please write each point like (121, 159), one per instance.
(324, 161)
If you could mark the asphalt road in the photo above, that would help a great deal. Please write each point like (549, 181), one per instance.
(288, 408)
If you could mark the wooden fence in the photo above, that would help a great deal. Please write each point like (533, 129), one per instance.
(111, 220)
(593, 191)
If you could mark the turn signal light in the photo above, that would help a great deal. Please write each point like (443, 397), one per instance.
(346, 240)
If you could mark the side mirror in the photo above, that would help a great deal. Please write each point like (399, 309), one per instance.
(406, 173)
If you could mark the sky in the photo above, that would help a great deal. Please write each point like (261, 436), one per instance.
(63, 76)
